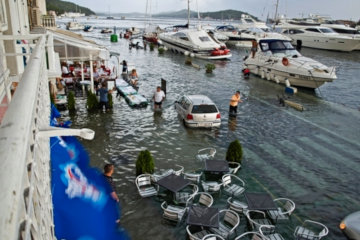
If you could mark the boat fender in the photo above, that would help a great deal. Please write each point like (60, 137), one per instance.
(186, 53)
(294, 105)
(277, 80)
(268, 76)
(262, 74)
(287, 83)
(192, 55)
(285, 61)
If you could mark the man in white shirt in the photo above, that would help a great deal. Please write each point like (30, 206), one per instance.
(159, 97)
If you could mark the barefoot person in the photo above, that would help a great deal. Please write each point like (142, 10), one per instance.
(158, 97)
(235, 99)
(254, 47)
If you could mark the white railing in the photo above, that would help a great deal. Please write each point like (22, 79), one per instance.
(25, 194)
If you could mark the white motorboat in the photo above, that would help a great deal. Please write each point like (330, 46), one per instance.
(74, 26)
(277, 60)
(247, 21)
(321, 38)
(344, 30)
(250, 34)
(195, 42)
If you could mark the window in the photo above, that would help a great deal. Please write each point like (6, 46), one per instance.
(295, 31)
(264, 46)
(326, 30)
(204, 39)
(204, 109)
(3, 20)
(345, 31)
(182, 36)
(312, 30)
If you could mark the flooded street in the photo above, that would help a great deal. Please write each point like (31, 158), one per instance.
(311, 157)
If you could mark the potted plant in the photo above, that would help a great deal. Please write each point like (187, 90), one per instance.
(161, 50)
(144, 163)
(71, 101)
(234, 152)
(152, 46)
(110, 100)
(91, 101)
(209, 67)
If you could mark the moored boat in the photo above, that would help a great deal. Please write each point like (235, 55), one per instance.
(277, 60)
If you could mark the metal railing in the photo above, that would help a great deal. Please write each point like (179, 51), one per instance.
(25, 193)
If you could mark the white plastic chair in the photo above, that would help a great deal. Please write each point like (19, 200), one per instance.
(236, 205)
(285, 209)
(204, 199)
(233, 185)
(311, 230)
(254, 236)
(255, 221)
(155, 177)
(179, 171)
(212, 237)
(144, 186)
(268, 231)
(193, 177)
(172, 212)
(183, 196)
(211, 186)
(206, 154)
(196, 233)
(229, 221)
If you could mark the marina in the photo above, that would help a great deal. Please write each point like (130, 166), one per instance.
(309, 156)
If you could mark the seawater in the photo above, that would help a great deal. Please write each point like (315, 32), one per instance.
(311, 157)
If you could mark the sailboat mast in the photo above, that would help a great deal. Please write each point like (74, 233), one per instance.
(188, 14)
(276, 11)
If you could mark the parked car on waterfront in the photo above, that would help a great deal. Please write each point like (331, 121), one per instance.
(198, 111)
(351, 226)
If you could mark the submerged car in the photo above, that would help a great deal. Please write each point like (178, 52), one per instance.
(198, 111)
(351, 226)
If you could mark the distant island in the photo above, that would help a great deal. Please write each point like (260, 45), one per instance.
(61, 7)
(223, 14)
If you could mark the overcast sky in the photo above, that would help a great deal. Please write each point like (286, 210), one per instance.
(337, 9)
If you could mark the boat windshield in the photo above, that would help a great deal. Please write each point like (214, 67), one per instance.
(326, 30)
(278, 48)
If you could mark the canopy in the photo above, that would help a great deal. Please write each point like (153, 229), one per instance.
(74, 47)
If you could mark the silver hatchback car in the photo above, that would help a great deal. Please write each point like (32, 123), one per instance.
(198, 111)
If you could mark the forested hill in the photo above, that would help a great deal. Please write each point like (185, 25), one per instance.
(224, 14)
(61, 6)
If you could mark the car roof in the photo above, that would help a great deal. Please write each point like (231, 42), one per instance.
(199, 99)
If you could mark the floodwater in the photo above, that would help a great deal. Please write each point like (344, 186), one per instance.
(311, 157)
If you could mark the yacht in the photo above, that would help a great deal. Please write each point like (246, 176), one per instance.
(74, 26)
(322, 38)
(277, 60)
(344, 30)
(247, 21)
(195, 42)
(247, 35)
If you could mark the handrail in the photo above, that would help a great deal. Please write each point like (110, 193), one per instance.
(25, 196)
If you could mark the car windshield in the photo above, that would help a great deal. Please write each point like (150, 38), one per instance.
(279, 48)
(204, 109)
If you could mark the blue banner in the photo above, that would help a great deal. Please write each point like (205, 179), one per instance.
(83, 206)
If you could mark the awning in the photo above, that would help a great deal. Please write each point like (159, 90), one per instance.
(73, 46)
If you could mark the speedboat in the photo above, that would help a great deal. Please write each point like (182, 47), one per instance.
(247, 35)
(277, 60)
(88, 28)
(106, 30)
(247, 21)
(321, 38)
(74, 26)
(195, 42)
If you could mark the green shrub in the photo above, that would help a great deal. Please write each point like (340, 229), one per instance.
(234, 152)
(110, 100)
(91, 101)
(152, 46)
(144, 163)
(188, 61)
(161, 50)
(71, 101)
(209, 67)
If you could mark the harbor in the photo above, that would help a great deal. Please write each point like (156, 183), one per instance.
(308, 156)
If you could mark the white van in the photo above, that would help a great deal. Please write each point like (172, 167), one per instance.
(198, 111)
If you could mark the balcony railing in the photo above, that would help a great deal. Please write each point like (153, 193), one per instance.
(48, 21)
(25, 193)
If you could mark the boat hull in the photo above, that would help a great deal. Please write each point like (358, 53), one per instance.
(279, 76)
(189, 51)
